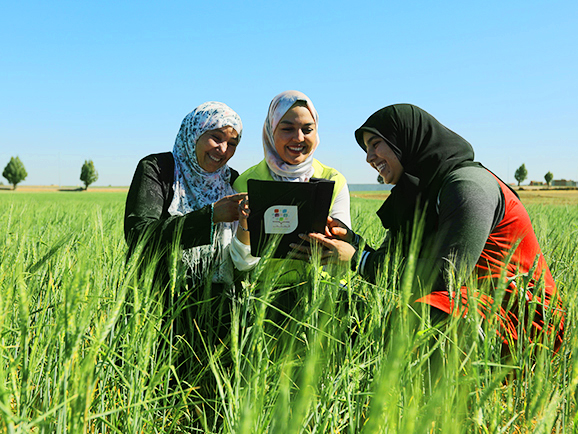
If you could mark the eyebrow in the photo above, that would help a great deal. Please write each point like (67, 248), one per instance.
(221, 134)
(292, 123)
(372, 138)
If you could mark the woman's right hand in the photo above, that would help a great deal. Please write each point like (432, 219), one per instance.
(333, 250)
(335, 243)
(226, 209)
(336, 229)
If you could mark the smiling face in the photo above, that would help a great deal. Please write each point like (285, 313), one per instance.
(295, 136)
(382, 158)
(215, 147)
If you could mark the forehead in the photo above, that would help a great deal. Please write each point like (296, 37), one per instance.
(298, 114)
(227, 131)
(368, 136)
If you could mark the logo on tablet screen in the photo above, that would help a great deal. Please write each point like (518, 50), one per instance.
(281, 219)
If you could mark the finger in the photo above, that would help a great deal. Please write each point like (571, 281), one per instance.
(337, 222)
(337, 231)
(300, 248)
(242, 208)
(296, 255)
(320, 238)
(237, 197)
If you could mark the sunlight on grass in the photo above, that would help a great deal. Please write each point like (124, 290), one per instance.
(88, 345)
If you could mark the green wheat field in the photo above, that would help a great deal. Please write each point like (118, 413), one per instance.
(88, 347)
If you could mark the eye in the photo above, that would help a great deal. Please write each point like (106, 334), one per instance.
(232, 144)
(307, 130)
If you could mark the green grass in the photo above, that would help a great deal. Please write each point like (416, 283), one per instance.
(87, 346)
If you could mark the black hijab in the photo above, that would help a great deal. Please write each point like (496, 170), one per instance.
(428, 152)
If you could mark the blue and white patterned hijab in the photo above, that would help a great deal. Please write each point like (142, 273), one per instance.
(195, 188)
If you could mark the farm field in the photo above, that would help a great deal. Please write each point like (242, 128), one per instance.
(86, 343)
(528, 196)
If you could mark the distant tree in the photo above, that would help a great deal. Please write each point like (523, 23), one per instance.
(380, 179)
(88, 173)
(548, 177)
(521, 174)
(15, 172)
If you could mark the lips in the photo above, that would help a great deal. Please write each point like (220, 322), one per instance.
(297, 149)
(215, 159)
(379, 167)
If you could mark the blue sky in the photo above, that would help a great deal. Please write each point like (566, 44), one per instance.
(111, 81)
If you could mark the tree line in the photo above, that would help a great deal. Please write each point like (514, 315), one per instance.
(522, 173)
(15, 172)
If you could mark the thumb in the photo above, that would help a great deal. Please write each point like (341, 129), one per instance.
(338, 232)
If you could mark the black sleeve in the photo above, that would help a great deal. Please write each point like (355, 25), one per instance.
(372, 262)
(148, 199)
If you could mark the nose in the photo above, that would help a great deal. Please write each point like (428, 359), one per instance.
(222, 147)
(370, 156)
(299, 136)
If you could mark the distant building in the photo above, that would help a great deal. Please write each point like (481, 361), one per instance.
(563, 183)
(536, 183)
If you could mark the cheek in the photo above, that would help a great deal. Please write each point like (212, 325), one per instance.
(310, 141)
(389, 155)
(279, 145)
(280, 139)
(201, 147)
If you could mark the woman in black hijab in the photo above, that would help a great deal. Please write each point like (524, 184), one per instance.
(472, 221)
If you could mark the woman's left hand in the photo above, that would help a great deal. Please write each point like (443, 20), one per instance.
(243, 229)
(333, 251)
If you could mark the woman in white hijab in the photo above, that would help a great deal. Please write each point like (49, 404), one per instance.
(290, 137)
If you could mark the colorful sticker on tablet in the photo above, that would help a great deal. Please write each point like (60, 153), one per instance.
(281, 219)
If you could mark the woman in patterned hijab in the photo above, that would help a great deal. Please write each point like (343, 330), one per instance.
(207, 139)
(190, 190)
(185, 197)
(202, 175)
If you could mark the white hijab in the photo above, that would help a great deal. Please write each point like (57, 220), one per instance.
(280, 170)
(195, 188)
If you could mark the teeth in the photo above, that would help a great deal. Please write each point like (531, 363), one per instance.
(213, 158)
(296, 149)
(380, 167)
